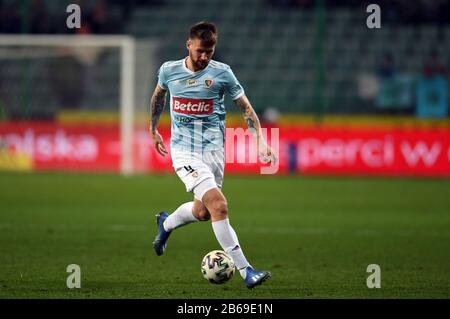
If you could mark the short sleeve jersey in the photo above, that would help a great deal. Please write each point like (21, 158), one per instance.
(197, 107)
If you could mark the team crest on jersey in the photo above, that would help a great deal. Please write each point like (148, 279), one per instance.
(191, 82)
(208, 83)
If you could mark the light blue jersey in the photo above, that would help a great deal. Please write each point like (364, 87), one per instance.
(197, 107)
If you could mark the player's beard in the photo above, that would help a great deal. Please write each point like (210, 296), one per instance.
(198, 64)
(201, 65)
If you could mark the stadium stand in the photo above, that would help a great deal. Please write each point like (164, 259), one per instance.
(290, 57)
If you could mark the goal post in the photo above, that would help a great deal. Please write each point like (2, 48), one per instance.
(27, 49)
(127, 67)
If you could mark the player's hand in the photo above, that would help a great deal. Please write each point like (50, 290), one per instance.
(159, 144)
(266, 153)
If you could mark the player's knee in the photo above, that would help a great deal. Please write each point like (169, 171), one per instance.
(203, 215)
(220, 208)
(200, 211)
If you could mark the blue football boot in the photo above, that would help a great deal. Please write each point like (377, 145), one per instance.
(160, 242)
(255, 278)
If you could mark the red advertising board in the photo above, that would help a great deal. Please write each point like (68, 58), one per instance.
(372, 151)
(52, 146)
(313, 150)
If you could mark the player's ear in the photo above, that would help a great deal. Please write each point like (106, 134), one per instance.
(188, 44)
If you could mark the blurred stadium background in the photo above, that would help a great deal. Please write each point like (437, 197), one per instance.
(306, 65)
(348, 100)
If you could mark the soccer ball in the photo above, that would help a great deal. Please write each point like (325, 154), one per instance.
(217, 267)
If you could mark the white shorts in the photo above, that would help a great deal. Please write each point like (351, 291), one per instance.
(199, 172)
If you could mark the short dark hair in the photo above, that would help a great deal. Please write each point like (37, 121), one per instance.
(205, 31)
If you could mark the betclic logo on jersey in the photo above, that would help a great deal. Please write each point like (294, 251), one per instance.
(192, 106)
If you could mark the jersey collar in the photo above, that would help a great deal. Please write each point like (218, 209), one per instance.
(192, 72)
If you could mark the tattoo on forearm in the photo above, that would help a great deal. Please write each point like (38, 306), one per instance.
(250, 123)
(157, 107)
(250, 117)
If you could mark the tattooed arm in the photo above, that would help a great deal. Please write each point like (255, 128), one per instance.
(157, 104)
(265, 152)
(250, 117)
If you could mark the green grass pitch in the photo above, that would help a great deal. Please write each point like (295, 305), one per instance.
(317, 235)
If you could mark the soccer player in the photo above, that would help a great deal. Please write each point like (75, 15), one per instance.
(197, 85)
